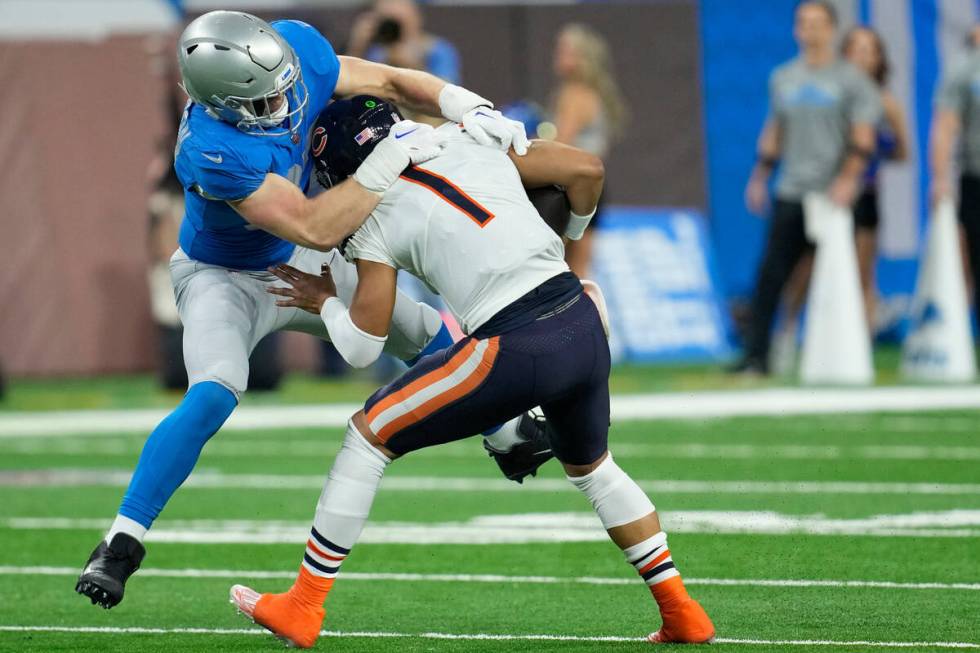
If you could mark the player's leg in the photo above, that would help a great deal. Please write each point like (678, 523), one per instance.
(580, 422)
(218, 335)
(519, 446)
(449, 395)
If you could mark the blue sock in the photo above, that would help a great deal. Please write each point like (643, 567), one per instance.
(440, 341)
(173, 448)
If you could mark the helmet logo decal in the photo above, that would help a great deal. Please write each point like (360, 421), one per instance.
(370, 104)
(319, 145)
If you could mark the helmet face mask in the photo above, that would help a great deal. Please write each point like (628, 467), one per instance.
(243, 72)
(265, 115)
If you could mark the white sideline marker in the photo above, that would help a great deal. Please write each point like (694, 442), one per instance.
(939, 346)
(476, 636)
(836, 344)
(500, 578)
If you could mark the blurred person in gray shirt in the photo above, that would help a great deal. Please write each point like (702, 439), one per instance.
(957, 118)
(820, 133)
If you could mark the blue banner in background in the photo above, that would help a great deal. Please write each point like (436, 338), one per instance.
(741, 43)
(657, 270)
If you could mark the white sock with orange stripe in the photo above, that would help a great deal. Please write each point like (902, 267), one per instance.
(340, 514)
(652, 561)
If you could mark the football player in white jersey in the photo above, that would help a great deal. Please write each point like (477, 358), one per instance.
(464, 225)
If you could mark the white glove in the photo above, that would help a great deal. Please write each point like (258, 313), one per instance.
(486, 126)
(493, 129)
(407, 143)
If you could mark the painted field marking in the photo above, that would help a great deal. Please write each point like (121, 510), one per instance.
(672, 405)
(478, 636)
(396, 483)
(539, 527)
(327, 447)
(500, 578)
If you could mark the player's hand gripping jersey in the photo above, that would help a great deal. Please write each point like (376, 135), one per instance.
(463, 224)
(216, 162)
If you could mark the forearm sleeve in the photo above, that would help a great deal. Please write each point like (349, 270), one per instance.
(358, 348)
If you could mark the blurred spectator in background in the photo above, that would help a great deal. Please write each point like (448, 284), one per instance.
(392, 33)
(820, 132)
(958, 112)
(864, 48)
(589, 110)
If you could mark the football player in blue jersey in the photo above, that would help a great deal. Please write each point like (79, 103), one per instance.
(242, 157)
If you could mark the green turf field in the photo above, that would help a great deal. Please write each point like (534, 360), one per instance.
(832, 530)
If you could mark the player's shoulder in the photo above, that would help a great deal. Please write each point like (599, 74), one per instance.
(207, 142)
(311, 46)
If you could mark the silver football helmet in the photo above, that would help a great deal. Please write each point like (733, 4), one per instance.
(244, 72)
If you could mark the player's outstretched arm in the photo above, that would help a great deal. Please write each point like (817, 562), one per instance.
(358, 332)
(279, 207)
(322, 222)
(579, 172)
(428, 94)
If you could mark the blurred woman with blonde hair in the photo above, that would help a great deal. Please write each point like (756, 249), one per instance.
(589, 109)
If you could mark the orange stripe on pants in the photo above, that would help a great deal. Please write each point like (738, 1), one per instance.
(424, 381)
(443, 399)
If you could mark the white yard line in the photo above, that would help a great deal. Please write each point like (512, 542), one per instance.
(326, 447)
(539, 527)
(108, 630)
(678, 405)
(500, 578)
(395, 483)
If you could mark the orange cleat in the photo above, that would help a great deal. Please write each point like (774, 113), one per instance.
(684, 623)
(295, 623)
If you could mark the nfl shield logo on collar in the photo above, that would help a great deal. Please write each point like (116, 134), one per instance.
(295, 138)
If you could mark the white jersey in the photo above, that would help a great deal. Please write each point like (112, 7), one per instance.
(462, 223)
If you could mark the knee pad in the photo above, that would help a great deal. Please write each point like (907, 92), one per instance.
(616, 498)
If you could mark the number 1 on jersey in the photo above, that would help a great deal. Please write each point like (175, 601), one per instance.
(448, 191)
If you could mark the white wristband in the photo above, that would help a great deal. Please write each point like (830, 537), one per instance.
(577, 225)
(382, 167)
(358, 348)
(456, 101)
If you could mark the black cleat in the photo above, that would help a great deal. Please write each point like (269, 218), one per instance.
(104, 578)
(525, 458)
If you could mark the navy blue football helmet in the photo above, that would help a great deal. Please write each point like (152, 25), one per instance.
(345, 134)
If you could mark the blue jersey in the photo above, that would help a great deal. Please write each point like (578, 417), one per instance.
(216, 163)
